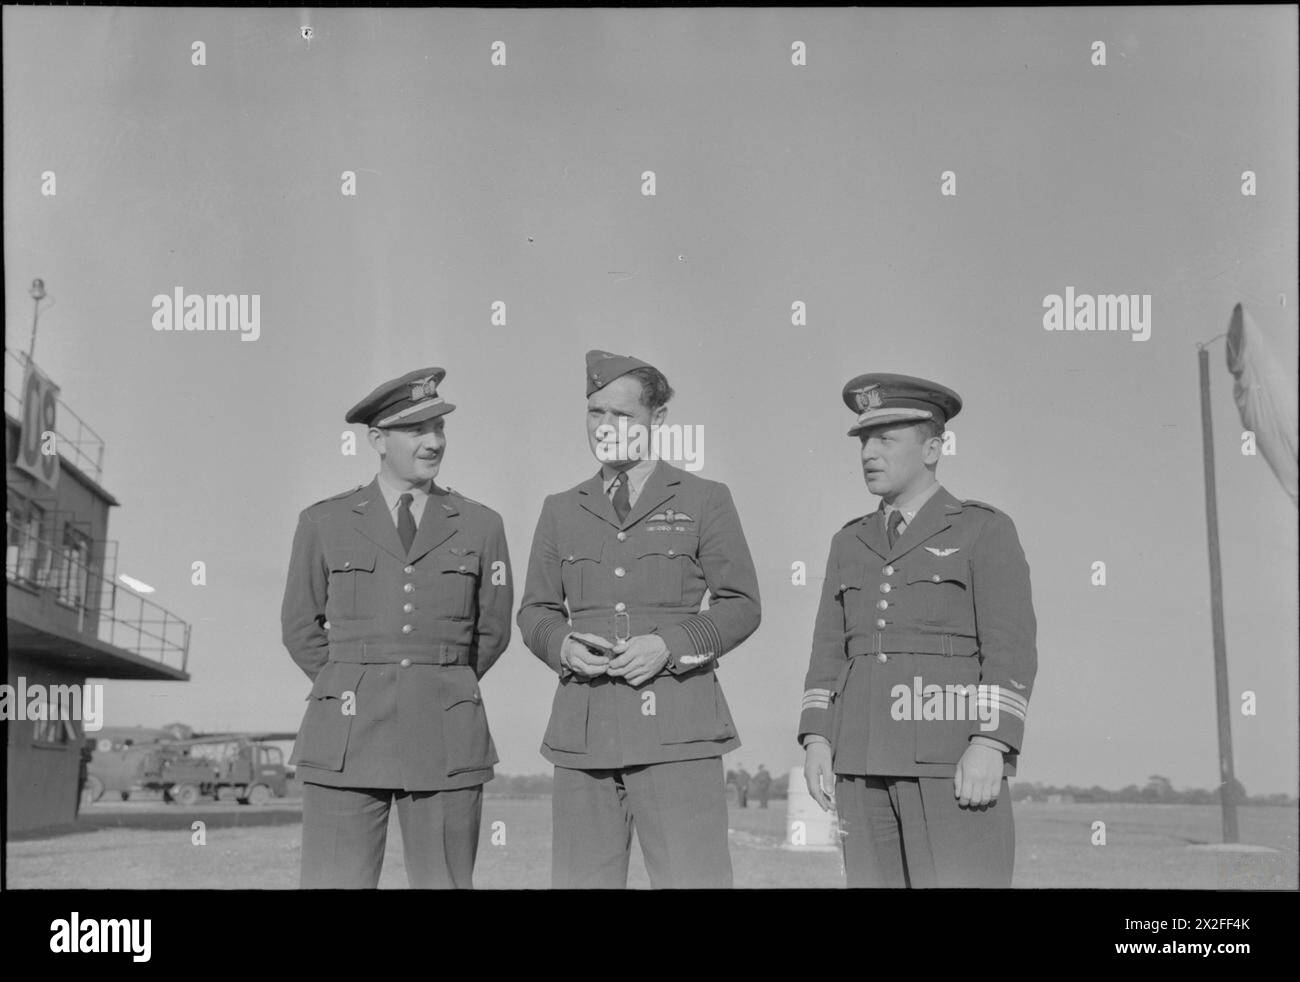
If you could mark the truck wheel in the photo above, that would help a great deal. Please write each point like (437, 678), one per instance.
(185, 794)
(259, 794)
(92, 790)
(126, 795)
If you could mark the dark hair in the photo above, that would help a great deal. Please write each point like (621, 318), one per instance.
(655, 390)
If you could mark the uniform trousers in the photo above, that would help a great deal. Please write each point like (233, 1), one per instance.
(344, 831)
(678, 810)
(912, 832)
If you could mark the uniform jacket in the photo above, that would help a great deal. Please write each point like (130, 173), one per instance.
(394, 643)
(949, 605)
(591, 573)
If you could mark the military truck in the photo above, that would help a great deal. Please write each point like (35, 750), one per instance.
(213, 767)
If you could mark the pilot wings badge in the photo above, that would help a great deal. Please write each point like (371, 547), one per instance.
(668, 515)
(941, 552)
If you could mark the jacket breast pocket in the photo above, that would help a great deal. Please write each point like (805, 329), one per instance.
(580, 574)
(456, 584)
(940, 591)
(351, 584)
(853, 595)
(331, 707)
(466, 740)
(665, 562)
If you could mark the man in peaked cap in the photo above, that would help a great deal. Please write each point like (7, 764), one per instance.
(923, 660)
(397, 602)
(638, 725)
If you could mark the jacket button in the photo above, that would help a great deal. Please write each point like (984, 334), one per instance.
(882, 658)
(620, 571)
(888, 571)
(347, 563)
(935, 577)
(622, 536)
(462, 569)
(671, 553)
(882, 604)
(405, 663)
(620, 607)
(409, 587)
(880, 622)
(407, 629)
(409, 569)
(407, 608)
(885, 588)
(570, 557)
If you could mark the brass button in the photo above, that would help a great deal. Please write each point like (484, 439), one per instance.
(880, 622)
(327, 625)
(570, 557)
(407, 608)
(347, 563)
(885, 588)
(888, 571)
(882, 604)
(620, 607)
(406, 663)
(407, 629)
(462, 569)
(935, 577)
(620, 571)
(409, 569)
(622, 536)
(843, 587)
(409, 587)
(671, 553)
(882, 658)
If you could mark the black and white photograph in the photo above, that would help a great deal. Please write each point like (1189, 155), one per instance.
(651, 448)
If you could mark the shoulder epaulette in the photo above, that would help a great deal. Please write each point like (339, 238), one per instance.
(979, 504)
(464, 497)
(336, 497)
(853, 521)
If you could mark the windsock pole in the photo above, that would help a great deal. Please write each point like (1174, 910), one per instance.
(1227, 780)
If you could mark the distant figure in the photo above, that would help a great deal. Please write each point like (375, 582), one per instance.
(763, 785)
(83, 771)
(742, 786)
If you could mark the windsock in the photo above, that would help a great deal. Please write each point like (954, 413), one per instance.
(1265, 397)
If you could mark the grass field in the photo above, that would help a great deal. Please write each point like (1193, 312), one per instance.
(134, 845)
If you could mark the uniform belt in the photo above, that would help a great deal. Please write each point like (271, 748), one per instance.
(951, 645)
(385, 653)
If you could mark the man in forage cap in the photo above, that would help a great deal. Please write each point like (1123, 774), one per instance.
(612, 604)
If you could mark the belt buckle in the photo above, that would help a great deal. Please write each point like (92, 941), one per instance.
(628, 619)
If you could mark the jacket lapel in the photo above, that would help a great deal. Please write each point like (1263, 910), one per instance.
(871, 530)
(592, 497)
(934, 517)
(438, 523)
(372, 520)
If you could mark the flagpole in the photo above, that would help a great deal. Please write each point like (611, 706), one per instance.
(1227, 780)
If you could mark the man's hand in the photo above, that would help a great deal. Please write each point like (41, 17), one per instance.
(978, 777)
(817, 773)
(580, 659)
(639, 659)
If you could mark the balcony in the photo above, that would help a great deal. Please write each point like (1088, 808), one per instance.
(77, 442)
(62, 609)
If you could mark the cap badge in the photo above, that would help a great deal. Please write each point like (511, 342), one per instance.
(868, 397)
(425, 388)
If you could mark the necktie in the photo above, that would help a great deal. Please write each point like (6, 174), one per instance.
(622, 501)
(405, 521)
(895, 520)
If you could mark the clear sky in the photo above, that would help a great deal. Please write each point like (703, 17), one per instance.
(775, 183)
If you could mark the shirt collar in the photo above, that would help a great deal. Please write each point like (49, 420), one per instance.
(636, 475)
(912, 505)
(391, 493)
